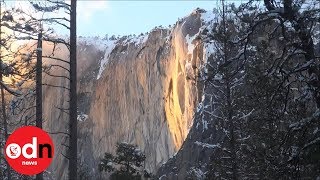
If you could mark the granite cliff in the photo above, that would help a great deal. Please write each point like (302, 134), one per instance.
(137, 89)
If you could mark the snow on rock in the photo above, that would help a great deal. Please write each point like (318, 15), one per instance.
(206, 145)
(209, 48)
(99, 43)
(218, 77)
(208, 16)
(82, 117)
(196, 173)
(189, 41)
(109, 45)
(104, 45)
(136, 40)
(108, 49)
(140, 39)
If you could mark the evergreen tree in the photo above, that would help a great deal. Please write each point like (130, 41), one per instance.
(274, 113)
(70, 24)
(126, 164)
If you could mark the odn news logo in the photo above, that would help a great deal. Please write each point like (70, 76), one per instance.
(29, 150)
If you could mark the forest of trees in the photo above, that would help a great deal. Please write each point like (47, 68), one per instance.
(263, 85)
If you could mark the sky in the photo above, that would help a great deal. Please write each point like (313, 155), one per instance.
(119, 17)
(132, 17)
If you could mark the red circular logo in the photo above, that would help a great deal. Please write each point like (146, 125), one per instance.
(29, 150)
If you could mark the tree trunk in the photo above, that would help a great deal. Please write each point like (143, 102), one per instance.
(3, 104)
(73, 93)
(230, 125)
(232, 132)
(5, 123)
(39, 83)
(39, 90)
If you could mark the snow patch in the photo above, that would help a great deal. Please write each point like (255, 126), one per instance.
(190, 45)
(208, 16)
(136, 40)
(97, 42)
(206, 145)
(209, 48)
(109, 47)
(82, 117)
(197, 173)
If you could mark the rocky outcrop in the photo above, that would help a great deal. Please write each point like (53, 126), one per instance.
(191, 161)
(141, 90)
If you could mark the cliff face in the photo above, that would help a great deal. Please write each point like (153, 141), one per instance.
(140, 90)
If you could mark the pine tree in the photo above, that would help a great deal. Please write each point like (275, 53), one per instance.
(126, 165)
(224, 81)
(72, 46)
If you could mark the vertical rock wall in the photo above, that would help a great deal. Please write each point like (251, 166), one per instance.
(146, 94)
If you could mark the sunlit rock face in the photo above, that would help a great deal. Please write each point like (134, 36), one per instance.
(141, 90)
